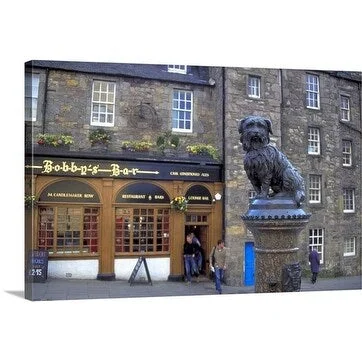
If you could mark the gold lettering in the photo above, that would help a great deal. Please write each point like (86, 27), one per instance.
(115, 169)
(95, 169)
(47, 166)
(131, 196)
(83, 170)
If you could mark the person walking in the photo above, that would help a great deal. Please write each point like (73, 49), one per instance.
(314, 264)
(198, 254)
(219, 256)
(190, 250)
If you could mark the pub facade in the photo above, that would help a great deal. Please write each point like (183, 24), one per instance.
(97, 210)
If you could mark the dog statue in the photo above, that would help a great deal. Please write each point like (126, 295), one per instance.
(266, 167)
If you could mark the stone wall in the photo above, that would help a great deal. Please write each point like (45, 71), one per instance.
(237, 186)
(296, 119)
(142, 109)
(283, 101)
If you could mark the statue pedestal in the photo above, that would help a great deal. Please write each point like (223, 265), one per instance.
(276, 223)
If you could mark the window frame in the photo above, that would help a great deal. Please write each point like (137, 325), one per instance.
(316, 141)
(33, 98)
(316, 191)
(349, 200)
(347, 155)
(177, 68)
(99, 103)
(309, 89)
(53, 251)
(166, 240)
(352, 241)
(344, 109)
(317, 240)
(178, 110)
(254, 90)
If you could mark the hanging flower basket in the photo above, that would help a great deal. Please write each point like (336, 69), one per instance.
(29, 201)
(179, 203)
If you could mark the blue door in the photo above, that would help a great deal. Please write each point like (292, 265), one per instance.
(249, 263)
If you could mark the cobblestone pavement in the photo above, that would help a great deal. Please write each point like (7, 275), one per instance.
(62, 289)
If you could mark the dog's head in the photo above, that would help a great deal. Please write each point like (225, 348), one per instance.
(254, 132)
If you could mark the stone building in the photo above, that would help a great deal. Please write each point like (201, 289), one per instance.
(98, 210)
(316, 117)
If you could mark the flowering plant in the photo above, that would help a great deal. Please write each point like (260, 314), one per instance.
(137, 145)
(203, 149)
(99, 136)
(179, 203)
(54, 139)
(29, 201)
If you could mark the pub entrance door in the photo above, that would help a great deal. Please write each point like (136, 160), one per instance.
(201, 232)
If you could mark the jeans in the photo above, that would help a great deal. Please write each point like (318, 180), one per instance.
(190, 267)
(219, 276)
(198, 261)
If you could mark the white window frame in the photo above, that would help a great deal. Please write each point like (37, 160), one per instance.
(316, 239)
(174, 68)
(312, 91)
(345, 108)
(254, 86)
(349, 246)
(347, 153)
(314, 141)
(179, 108)
(108, 103)
(315, 189)
(348, 200)
(31, 95)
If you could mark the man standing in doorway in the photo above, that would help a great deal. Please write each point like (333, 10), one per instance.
(219, 255)
(190, 250)
(314, 263)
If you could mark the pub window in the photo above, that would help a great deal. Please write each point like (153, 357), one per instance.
(182, 111)
(68, 230)
(142, 230)
(177, 69)
(196, 218)
(103, 101)
(31, 96)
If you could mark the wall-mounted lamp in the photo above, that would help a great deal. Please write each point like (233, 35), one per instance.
(217, 197)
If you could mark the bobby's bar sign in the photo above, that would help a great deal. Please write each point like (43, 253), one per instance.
(122, 169)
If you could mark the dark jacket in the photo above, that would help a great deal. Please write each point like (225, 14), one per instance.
(314, 261)
(190, 249)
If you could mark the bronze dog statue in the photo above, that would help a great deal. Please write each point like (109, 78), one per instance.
(267, 167)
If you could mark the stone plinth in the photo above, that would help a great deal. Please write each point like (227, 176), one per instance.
(275, 223)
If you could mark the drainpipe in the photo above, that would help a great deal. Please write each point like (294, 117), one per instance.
(45, 99)
(224, 148)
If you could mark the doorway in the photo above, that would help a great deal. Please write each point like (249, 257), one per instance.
(201, 233)
(249, 277)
